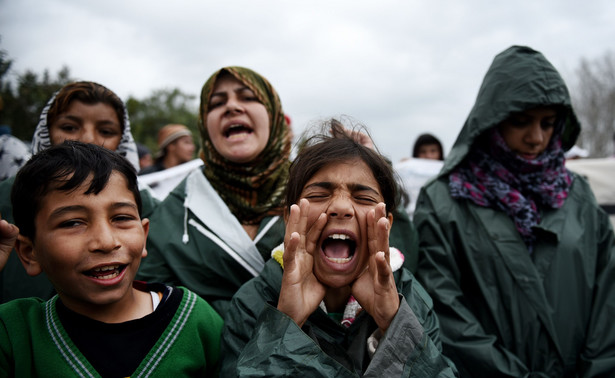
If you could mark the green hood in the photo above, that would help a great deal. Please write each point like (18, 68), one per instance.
(519, 79)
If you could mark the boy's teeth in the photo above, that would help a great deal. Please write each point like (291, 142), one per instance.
(108, 276)
(106, 268)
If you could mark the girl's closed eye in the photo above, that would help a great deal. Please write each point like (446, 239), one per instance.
(519, 120)
(316, 196)
(367, 198)
(547, 124)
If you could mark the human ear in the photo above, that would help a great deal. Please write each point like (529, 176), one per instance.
(27, 255)
(390, 218)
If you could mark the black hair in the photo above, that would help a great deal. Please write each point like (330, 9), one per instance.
(321, 149)
(65, 167)
(425, 139)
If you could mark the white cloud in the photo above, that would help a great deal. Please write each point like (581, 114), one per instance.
(401, 67)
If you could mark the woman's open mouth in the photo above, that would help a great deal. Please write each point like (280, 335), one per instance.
(236, 131)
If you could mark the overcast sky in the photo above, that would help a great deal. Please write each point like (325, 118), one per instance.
(400, 67)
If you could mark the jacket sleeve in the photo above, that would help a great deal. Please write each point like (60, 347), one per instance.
(407, 350)
(598, 356)
(464, 339)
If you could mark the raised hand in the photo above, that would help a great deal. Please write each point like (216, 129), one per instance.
(8, 236)
(375, 289)
(301, 292)
(359, 137)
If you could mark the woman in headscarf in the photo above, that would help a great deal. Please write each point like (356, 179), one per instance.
(84, 111)
(215, 230)
(514, 250)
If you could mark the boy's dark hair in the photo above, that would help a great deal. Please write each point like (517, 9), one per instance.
(325, 148)
(65, 167)
(89, 93)
(424, 139)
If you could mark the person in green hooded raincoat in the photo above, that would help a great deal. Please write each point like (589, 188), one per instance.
(514, 250)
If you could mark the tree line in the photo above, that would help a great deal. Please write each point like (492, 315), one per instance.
(22, 100)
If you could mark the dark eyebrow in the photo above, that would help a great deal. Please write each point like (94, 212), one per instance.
(352, 187)
(79, 120)
(71, 117)
(67, 209)
(119, 205)
(362, 188)
(320, 184)
(240, 89)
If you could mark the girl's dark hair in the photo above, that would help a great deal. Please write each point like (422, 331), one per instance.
(89, 93)
(65, 167)
(424, 139)
(323, 148)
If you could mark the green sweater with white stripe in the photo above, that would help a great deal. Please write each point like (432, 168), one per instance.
(34, 342)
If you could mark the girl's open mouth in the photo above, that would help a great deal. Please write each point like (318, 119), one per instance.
(339, 248)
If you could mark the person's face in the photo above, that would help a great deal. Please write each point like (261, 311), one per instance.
(182, 148)
(96, 124)
(528, 133)
(90, 246)
(429, 151)
(237, 123)
(146, 161)
(346, 192)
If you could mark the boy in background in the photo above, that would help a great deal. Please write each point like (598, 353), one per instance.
(77, 207)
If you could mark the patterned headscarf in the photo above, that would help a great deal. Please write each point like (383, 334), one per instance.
(493, 176)
(254, 189)
(127, 147)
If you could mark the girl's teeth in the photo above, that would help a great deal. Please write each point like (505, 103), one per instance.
(340, 260)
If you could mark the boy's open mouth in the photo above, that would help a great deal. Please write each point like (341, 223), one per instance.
(339, 248)
(106, 272)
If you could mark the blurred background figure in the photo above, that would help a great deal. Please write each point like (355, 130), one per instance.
(175, 147)
(576, 152)
(428, 146)
(13, 153)
(426, 162)
(145, 156)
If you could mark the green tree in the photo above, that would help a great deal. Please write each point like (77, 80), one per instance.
(594, 102)
(22, 106)
(162, 107)
(5, 86)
